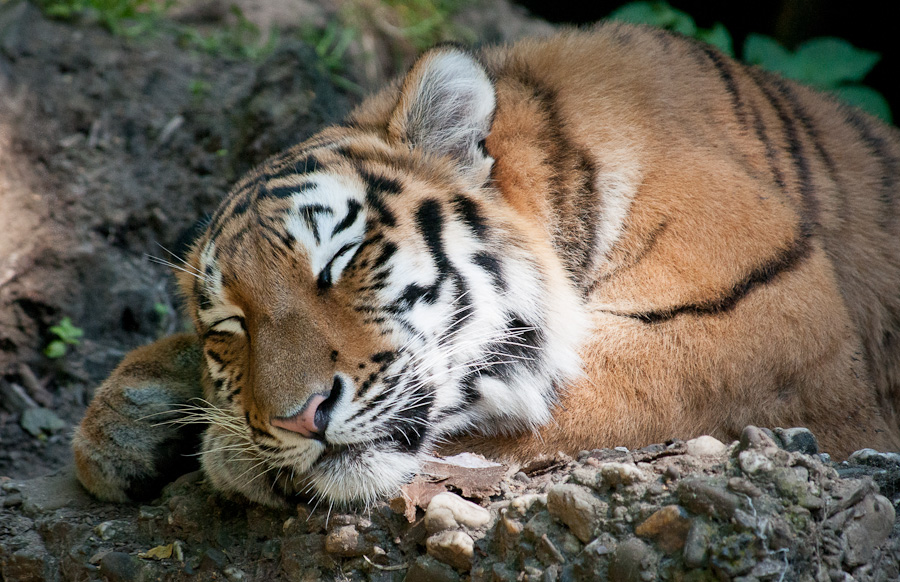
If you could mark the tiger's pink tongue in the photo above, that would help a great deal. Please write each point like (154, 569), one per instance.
(304, 422)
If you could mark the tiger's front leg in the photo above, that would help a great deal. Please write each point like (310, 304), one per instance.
(136, 435)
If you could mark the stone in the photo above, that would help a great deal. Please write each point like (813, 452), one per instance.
(52, 492)
(668, 527)
(705, 446)
(798, 440)
(345, 541)
(547, 552)
(448, 511)
(455, 548)
(633, 561)
(578, 508)
(700, 496)
(120, 567)
(38, 421)
(427, 569)
(873, 458)
(753, 461)
(753, 437)
(615, 474)
(870, 523)
(696, 545)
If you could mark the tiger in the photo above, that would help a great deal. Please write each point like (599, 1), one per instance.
(611, 236)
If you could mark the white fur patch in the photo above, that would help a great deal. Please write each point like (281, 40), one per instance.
(328, 220)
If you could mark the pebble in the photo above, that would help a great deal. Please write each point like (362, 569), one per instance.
(120, 567)
(757, 438)
(668, 527)
(705, 446)
(427, 569)
(452, 547)
(696, 545)
(873, 458)
(798, 440)
(578, 508)
(753, 461)
(869, 524)
(345, 541)
(615, 474)
(449, 511)
(702, 497)
(633, 561)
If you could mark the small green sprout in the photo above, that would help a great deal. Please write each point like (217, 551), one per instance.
(67, 335)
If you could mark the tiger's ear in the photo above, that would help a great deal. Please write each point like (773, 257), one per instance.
(446, 107)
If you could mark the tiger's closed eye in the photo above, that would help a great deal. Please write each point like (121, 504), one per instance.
(233, 324)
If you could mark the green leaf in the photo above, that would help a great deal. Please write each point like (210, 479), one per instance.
(55, 349)
(658, 14)
(67, 332)
(719, 37)
(828, 62)
(765, 51)
(867, 99)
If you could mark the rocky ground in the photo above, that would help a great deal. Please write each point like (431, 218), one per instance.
(766, 508)
(112, 145)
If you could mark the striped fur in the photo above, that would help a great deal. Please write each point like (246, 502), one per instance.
(608, 237)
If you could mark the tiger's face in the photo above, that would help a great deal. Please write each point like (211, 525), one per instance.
(365, 295)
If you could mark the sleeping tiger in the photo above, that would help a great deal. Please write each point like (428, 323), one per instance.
(613, 236)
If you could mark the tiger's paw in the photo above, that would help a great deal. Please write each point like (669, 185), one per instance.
(138, 432)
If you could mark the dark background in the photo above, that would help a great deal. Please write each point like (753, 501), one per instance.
(866, 24)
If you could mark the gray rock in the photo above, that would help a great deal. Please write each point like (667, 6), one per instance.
(701, 496)
(121, 567)
(52, 492)
(427, 569)
(696, 546)
(798, 440)
(868, 526)
(633, 561)
(578, 508)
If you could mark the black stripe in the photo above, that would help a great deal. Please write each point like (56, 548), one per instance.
(353, 208)
(492, 265)
(783, 262)
(723, 68)
(381, 184)
(809, 201)
(309, 213)
(571, 194)
(881, 148)
(283, 192)
(469, 212)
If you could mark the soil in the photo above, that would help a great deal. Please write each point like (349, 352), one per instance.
(111, 148)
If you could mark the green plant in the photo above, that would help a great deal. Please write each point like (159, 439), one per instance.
(239, 39)
(66, 335)
(124, 17)
(831, 64)
(424, 23)
(828, 63)
(662, 15)
(331, 44)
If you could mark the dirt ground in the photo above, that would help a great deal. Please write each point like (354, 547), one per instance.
(110, 149)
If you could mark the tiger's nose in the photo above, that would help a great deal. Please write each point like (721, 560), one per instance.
(312, 420)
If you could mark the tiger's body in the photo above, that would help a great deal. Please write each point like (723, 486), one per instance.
(608, 237)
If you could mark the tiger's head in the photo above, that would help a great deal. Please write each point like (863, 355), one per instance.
(367, 294)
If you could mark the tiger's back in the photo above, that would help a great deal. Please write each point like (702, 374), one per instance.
(716, 246)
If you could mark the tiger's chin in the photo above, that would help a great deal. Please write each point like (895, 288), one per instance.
(355, 475)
